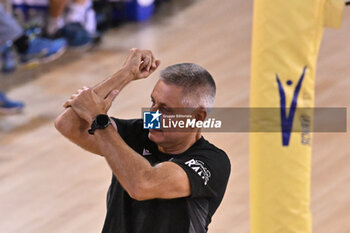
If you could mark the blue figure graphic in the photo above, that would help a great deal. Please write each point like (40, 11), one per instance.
(287, 121)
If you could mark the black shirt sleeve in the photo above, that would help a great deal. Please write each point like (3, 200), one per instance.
(208, 171)
(132, 132)
(123, 125)
(128, 129)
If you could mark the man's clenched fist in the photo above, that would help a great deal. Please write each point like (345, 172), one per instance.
(141, 63)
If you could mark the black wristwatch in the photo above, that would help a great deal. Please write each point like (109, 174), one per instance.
(101, 121)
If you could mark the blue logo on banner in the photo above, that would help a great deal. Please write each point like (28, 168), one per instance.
(151, 120)
(287, 121)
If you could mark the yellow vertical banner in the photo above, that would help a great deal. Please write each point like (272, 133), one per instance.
(286, 40)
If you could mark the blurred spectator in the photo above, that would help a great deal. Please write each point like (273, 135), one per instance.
(29, 47)
(74, 20)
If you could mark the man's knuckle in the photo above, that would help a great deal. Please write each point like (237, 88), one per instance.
(135, 51)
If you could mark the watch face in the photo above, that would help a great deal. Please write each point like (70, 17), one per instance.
(102, 120)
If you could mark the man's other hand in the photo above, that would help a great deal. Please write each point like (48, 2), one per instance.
(141, 63)
(87, 104)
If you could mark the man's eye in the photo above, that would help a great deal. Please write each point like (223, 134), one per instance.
(165, 110)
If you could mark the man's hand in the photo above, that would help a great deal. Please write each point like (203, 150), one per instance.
(141, 63)
(87, 104)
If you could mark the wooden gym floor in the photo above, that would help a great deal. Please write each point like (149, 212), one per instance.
(48, 184)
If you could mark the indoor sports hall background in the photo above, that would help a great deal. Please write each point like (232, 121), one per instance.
(47, 184)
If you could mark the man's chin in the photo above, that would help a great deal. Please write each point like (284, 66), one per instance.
(156, 135)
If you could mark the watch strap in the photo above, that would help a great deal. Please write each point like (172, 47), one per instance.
(101, 121)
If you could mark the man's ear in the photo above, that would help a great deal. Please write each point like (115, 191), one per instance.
(200, 114)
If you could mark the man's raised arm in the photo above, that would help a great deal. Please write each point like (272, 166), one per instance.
(138, 65)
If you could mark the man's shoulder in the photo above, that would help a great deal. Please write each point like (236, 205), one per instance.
(209, 151)
(205, 145)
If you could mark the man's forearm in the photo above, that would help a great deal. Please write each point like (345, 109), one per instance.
(117, 81)
(69, 122)
(131, 170)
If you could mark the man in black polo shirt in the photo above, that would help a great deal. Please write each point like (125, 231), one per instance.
(163, 181)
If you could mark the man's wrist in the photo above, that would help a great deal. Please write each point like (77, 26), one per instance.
(123, 74)
(94, 115)
(101, 121)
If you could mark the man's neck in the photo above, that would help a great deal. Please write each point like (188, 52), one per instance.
(181, 146)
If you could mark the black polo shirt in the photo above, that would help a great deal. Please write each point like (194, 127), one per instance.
(208, 170)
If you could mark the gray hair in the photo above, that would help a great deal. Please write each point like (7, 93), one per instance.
(198, 85)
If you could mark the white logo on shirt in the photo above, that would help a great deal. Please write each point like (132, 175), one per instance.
(146, 152)
(200, 169)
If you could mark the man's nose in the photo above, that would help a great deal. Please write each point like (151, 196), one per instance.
(154, 108)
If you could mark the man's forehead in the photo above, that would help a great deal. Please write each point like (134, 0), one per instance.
(168, 89)
(167, 93)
